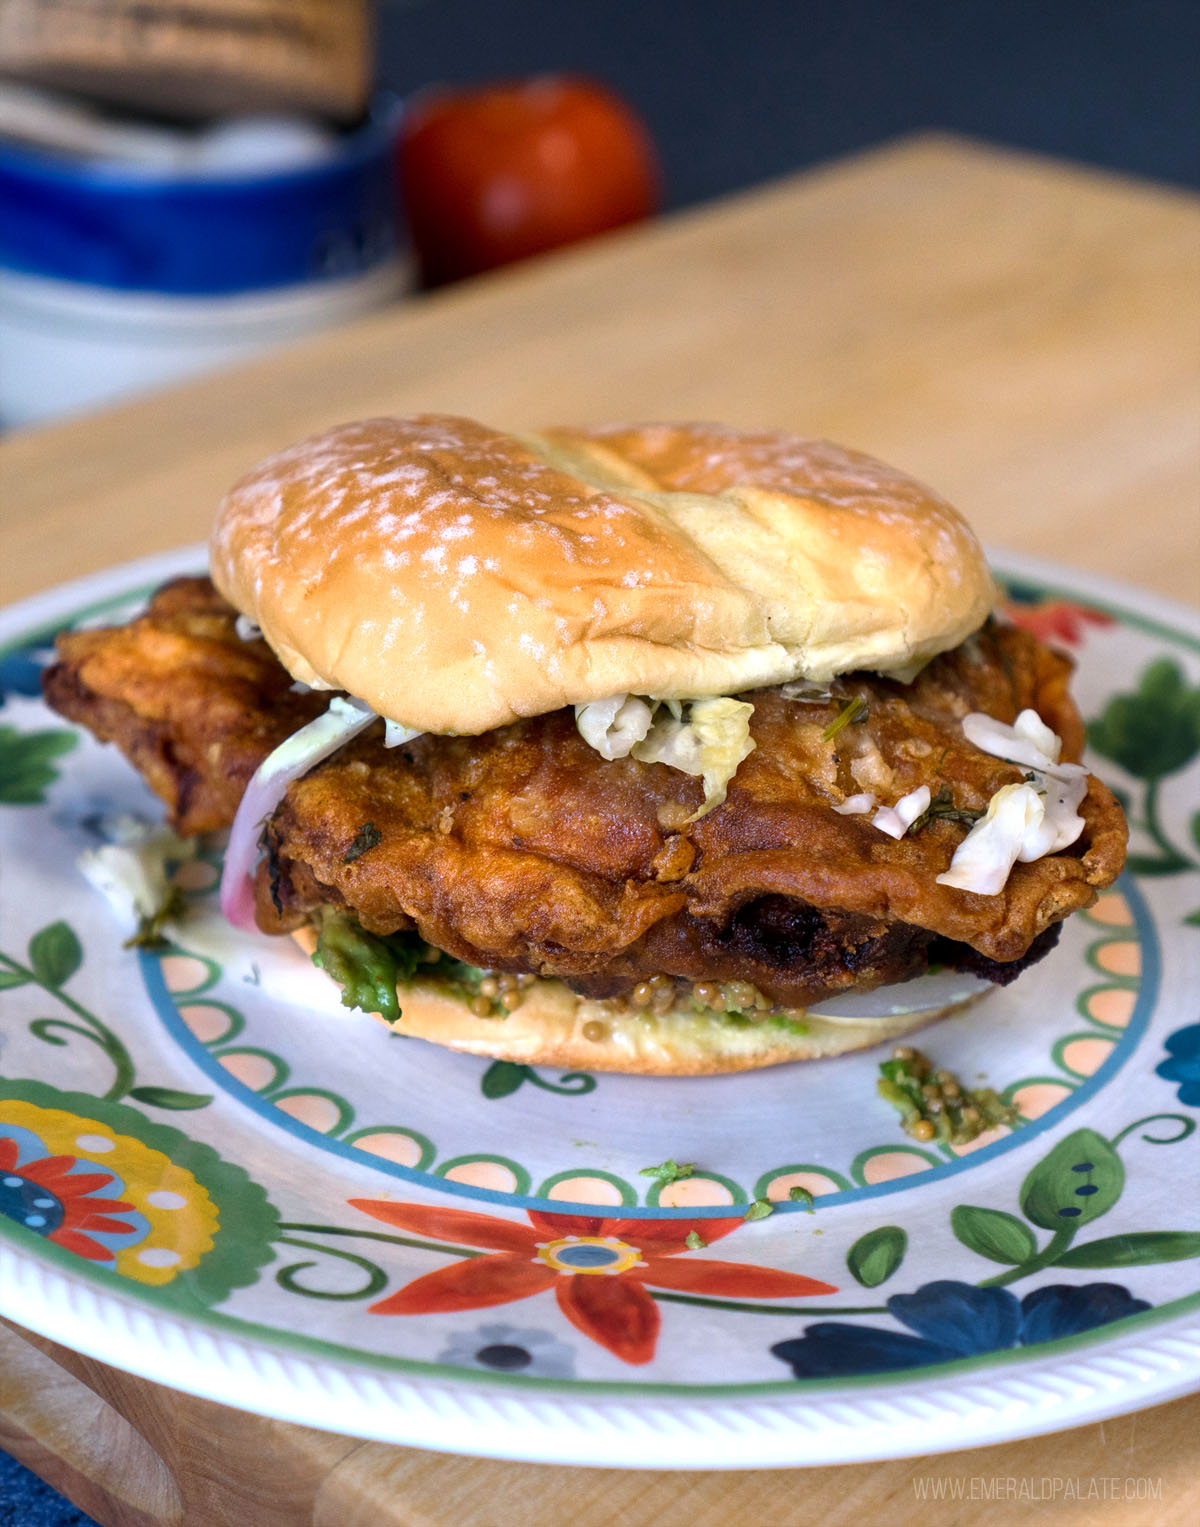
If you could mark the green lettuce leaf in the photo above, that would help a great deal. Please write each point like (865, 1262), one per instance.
(363, 965)
(371, 968)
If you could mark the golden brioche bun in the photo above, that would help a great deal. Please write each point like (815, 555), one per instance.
(555, 1028)
(456, 578)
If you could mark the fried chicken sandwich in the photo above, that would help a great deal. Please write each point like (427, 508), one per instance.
(616, 748)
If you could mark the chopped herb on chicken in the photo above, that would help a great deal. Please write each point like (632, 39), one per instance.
(367, 837)
(668, 1171)
(852, 710)
(942, 809)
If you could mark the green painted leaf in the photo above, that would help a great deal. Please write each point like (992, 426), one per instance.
(1137, 1249)
(1153, 864)
(170, 1097)
(874, 1257)
(26, 770)
(1079, 1180)
(501, 1078)
(1155, 730)
(993, 1234)
(54, 954)
(289, 1277)
(572, 1085)
(11, 978)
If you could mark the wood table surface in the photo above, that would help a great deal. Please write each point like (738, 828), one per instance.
(1023, 334)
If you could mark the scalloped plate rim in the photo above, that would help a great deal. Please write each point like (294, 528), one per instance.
(623, 1431)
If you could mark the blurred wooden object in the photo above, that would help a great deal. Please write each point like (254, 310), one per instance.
(195, 58)
(135, 1455)
(1023, 334)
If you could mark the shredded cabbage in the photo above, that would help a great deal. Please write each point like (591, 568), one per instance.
(671, 742)
(984, 858)
(131, 872)
(896, 820)
(1062, 824)
(395, 735)
(1027, 741)
(806, 692)
(711, 742)
(1023, 822)
(614, 726)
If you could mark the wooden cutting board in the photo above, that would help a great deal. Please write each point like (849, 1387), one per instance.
(1023, 334)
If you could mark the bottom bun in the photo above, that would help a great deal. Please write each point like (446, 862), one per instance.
(554, 1027)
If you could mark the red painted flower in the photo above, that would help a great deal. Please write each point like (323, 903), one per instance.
(47, 1197)
(596, 1267)
(1056, 620)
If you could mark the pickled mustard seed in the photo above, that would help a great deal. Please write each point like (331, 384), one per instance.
(693, 1241)
(759, 1209)
(934, 1105)
(800, 1195)
(367, 837)
(669, 1171)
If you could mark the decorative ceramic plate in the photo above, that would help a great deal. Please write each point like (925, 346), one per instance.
(214, 1175)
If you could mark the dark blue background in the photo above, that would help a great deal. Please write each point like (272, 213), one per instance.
(737, 91)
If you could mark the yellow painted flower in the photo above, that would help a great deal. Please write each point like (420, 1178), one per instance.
(181, 1217)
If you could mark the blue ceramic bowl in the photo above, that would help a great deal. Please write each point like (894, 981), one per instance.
(147, 230)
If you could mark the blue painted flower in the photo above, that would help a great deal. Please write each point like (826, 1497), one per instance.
(1184, 1066)
(511, 1349)
(953, 1320)
(21, 669)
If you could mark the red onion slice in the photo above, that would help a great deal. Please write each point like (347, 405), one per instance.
(302, 751)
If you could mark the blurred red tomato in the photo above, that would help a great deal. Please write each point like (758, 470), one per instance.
(495, 173)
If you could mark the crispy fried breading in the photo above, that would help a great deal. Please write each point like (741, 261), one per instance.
(194, 708)
(523, 849)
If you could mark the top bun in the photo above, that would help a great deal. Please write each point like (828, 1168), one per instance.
(456, 578)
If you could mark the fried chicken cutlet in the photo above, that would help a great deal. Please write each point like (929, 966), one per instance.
(524, 850)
